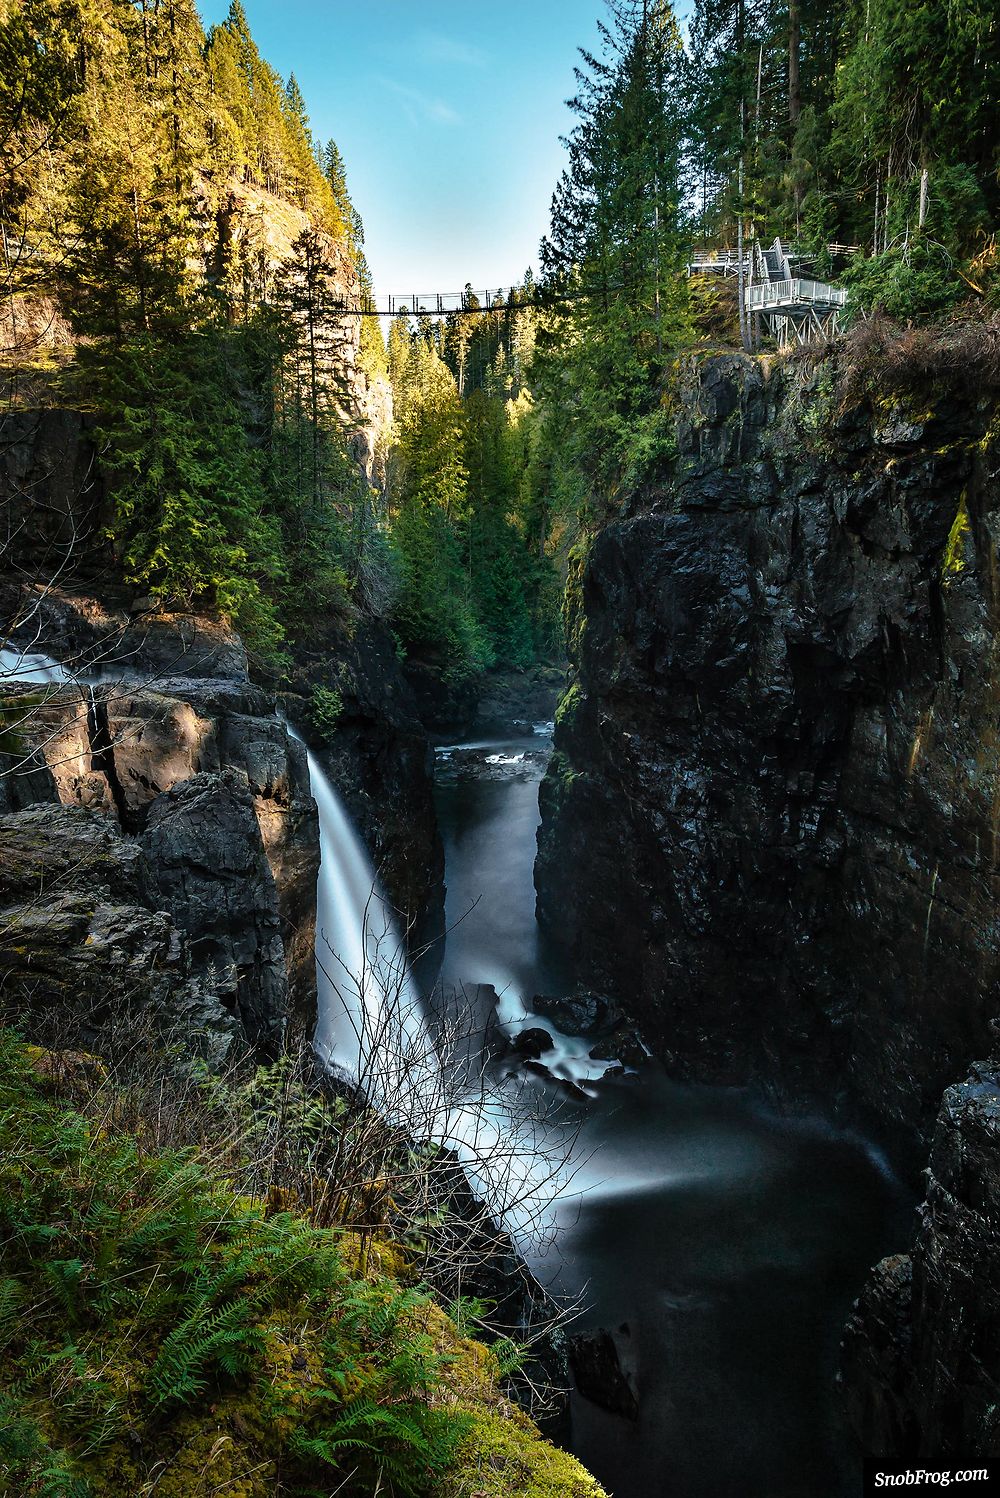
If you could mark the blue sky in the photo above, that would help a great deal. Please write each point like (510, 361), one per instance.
(448, 116)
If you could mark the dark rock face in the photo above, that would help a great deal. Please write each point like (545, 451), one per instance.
(921, 1354)
(770, 823)
(204, 851)
(580, 1013)
(82, 943)
(598, 1373)
(52, 494)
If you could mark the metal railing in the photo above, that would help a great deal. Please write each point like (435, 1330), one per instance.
(771, 295)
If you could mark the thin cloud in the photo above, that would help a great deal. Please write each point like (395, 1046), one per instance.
(433, 47)
(420, 107)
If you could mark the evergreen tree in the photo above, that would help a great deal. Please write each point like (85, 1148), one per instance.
(618, 242)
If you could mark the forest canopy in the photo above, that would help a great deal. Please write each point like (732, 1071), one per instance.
(180, 249)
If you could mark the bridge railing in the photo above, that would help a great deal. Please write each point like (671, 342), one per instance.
(726, 261)
(796, 292)
(431, 303)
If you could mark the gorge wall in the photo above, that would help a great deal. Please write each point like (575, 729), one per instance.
(780, 752)
(780, 745)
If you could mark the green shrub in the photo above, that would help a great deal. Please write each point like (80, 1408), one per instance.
(325, 707)
(912, 281)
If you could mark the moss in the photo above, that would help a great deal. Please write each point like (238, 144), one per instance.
(574, 613)
(185, 1341)
(568, 705)
(953, 563)
(504, 1454)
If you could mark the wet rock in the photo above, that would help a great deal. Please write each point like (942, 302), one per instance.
(206, 858)
(580, 1013)
(920, 1370)
(532, 1043)
(769, 814)
(597, 1368)
(624, 1046)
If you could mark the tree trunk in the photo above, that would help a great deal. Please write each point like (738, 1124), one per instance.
(794, 42)
(924, 185)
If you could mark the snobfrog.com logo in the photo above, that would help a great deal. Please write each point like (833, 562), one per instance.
(981, 1479)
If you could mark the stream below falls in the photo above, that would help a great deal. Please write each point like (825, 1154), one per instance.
(722, 1244)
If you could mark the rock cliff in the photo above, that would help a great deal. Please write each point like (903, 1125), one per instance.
(779, 748)
(920, 1369)
(85, 946)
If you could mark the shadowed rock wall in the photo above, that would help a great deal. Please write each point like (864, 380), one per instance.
(770, 824)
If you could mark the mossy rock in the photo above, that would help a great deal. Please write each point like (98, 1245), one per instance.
(167, 1335)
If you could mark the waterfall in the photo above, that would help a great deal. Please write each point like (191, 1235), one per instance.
(371, 1024)
(370, 1021)
(30, 667)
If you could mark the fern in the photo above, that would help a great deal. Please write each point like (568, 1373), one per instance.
(11, 1301)
(224, 1338)
(27, 1458)
(408, 1444)
(509, 1355)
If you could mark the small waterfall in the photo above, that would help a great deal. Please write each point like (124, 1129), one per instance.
(370, 1021)
(30, 667)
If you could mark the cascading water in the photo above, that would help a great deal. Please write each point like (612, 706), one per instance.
(371, 1025)
(370, 1021)
(30, 667)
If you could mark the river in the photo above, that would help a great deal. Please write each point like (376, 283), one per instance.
(721, 1243)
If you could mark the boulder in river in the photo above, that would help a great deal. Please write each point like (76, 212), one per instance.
(582, 1013)
(597, 1369)
(532, 1043)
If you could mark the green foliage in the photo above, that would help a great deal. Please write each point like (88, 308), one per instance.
(618, 245)
(325, 707)
(465, 568)
(138, 1294)
(910, 282)
(189, 525)
(846, 121)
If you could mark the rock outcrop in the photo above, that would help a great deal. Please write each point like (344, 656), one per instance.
(779, 749)
(207, 861)
(921, 1354)
(84, 944)
(145, 728)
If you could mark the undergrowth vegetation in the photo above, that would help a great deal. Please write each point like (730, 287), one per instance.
(160, 1332)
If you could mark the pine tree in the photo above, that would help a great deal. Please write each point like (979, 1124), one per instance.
(617, 242)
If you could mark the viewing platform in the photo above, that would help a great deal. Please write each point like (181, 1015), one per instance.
(796, 309)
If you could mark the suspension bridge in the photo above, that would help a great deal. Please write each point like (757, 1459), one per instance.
(796, 308)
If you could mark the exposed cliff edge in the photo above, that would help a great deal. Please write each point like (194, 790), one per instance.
(779, 748)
